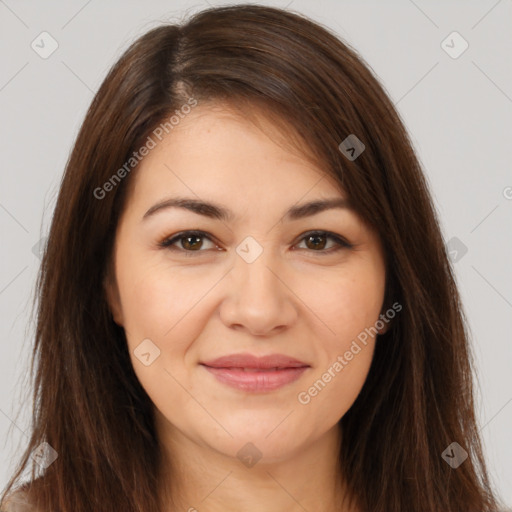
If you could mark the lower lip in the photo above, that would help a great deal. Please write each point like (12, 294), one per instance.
(256, 381)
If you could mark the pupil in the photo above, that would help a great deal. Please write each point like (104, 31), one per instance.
(316, 237)
(191, 245)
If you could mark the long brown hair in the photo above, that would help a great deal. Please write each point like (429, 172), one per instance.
(418, 397)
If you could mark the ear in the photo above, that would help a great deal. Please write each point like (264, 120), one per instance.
(387, 325)
(388, 322)
(113, 298)
(387, 305)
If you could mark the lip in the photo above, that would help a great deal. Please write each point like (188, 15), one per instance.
(254, 362)
(256, 374)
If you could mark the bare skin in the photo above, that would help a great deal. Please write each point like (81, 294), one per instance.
(299, 297)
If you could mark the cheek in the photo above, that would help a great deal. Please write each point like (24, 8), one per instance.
(331, 393)
(333, 387)
(164, 305)
(349, 307)
(155, 297)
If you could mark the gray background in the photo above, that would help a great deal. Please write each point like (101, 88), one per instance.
(458, 111)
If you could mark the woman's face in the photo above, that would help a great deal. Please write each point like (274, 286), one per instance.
(256, 282)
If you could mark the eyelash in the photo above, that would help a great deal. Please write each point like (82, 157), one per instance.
(169, 242)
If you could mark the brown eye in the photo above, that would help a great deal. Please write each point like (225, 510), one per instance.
(318, 240)
(188, 242)
(191, 242)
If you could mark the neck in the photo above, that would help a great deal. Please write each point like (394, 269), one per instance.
(196, 478)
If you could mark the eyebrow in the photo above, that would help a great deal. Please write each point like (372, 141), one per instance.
(215, 211)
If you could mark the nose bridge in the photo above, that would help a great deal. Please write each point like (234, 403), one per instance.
(258, 278)
(257, 299)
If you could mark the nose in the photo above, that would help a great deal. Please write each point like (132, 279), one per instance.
(258, 298)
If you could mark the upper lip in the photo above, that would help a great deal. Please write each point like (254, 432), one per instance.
(250, 361)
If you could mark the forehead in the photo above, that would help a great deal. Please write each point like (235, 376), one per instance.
(217, 148)
(229, 126)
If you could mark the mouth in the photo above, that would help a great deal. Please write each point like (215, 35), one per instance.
(256, 374)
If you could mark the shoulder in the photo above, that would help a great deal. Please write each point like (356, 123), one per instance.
(18, 502)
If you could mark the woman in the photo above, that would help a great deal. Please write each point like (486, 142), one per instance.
(245, 301)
